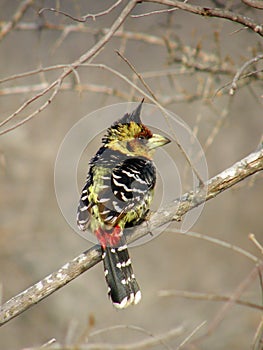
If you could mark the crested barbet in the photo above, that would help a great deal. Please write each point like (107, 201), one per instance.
(117, 195)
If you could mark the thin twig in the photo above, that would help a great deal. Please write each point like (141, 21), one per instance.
(83, 18)
(243, 77)
(157, 12)
(147, 87)
(233, 86)
(221, 243)
(249, 165)
(32, 72)
(207, 297)
(186, 340)
(252, 237)
(48, 343)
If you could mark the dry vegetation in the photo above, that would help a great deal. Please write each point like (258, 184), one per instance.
(61, 60)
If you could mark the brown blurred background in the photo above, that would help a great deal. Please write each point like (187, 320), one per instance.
(34, 237)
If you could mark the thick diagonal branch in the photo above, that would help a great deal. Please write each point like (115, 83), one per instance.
(249, 165)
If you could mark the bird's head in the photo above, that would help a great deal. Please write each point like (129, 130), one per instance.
(130, 136)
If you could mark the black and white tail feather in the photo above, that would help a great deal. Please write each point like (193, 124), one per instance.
(123, 288)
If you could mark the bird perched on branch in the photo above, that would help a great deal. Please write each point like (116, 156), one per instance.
(117, 194)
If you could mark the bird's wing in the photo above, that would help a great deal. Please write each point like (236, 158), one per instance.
(129, 187)
(83, 215)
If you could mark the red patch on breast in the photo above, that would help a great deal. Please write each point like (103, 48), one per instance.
(109, 238)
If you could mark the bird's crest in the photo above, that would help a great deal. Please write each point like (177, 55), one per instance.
(129, 126)
(134, 116)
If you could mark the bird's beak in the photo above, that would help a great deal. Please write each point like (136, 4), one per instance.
(157, 141)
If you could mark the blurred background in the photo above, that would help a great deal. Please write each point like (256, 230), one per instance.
(185, 59)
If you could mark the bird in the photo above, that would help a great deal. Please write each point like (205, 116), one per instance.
(117, 195)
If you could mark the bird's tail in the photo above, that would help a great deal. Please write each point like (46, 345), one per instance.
(123, 288)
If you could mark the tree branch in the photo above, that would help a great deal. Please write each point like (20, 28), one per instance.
(249, 165)
(213, 12)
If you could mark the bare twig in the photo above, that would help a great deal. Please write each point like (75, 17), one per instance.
(252, 164)
(233, 86)
(139, 76)
(242, 78)
(83, 18)
(207, 297)
(221, 243)
(49, 342)
(186, 340)
(157, 12)
(252, 237)
(32, 72)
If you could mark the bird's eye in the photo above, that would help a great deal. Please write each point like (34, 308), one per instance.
(142, 140)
